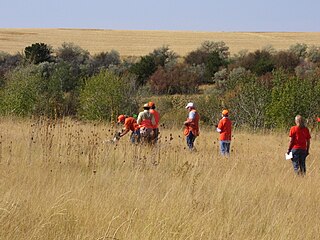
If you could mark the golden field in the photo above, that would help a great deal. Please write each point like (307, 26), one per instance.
(137, 43)
(63, 180)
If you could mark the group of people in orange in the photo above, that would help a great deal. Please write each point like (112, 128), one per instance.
(146, 129)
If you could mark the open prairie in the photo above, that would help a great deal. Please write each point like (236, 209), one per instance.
(62, 180)
(137, 43)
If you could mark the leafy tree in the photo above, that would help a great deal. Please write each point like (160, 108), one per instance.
(105, 59)
(105, 96)
(69, 52)
(144, 69)
(219, 47)
(37, 53)
(259, 62)
(313, 54)
(286, 60)
(248, 101)
(291, 96)
(7, 63)
(299, 49)
(180, 79)
(21, 93)
(161, 57)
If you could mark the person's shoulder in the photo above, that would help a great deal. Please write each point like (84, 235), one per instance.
(294, 129)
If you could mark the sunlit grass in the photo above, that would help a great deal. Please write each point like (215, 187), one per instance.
(63, 180)
(137, 43)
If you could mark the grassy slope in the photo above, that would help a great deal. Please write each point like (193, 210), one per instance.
(136, 43)
(63, 182)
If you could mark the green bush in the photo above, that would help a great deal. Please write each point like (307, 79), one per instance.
(37, 53)
(292, 96)
(21, 93)
(105, 96)
(248, 102)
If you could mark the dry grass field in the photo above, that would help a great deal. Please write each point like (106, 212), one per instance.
(63, 181)
(136, 43)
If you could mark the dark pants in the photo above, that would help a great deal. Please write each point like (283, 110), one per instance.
(155, 135)
(190, 140)
(299, 160)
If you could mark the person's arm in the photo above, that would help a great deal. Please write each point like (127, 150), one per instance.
(124, 132)
(308, 146)
(190, 118)
(290, 145)
(219, 127)
(153, 120)
(139, 120)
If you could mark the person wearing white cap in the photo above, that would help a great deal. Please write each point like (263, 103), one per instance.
(191, 130)
(146, 121)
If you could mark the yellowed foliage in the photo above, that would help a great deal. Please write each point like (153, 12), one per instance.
(137, 43)
(62, 180)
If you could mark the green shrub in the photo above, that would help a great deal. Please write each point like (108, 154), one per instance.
(105, 96)
(292, 96)
(37, 53)
(20, 95)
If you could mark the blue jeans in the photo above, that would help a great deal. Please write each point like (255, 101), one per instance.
(225, 148)
(135, 136)
(299, 160)
(190, 140)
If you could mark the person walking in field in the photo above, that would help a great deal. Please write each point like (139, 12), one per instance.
(130, 124)
(224, 128)
(191, 130)
(156, 118)
(299, 145)
(146, 121)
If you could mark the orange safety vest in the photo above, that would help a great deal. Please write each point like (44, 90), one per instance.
(193, 125)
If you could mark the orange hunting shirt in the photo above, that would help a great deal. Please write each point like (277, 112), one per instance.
(300, 136)
(156, 117)
(225, 127)
(131, 124)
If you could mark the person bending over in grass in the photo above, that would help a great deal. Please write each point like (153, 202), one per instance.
(130, 123)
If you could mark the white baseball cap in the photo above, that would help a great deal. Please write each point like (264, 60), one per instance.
(190, 104)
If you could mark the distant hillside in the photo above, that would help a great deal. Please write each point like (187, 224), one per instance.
(136, 43)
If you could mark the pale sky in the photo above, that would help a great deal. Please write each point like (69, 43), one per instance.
(195, 15)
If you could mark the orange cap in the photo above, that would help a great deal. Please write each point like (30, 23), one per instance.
(151, 104)
(121, 118)
(225, 112)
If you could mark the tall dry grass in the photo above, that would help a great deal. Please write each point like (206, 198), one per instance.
(62, 181)
(138, 43)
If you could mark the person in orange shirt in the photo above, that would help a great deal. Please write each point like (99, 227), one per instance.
(130, 123)
(224, 128)
(191, 130)
(299, 145)
(156, 118)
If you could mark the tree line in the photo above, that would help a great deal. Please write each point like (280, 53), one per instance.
(262, 89)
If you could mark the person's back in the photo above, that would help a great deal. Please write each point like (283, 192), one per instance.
(299, 145)
(299, 135)
(225, 127)
(131, 124)
(156, 117)
(145, 118)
